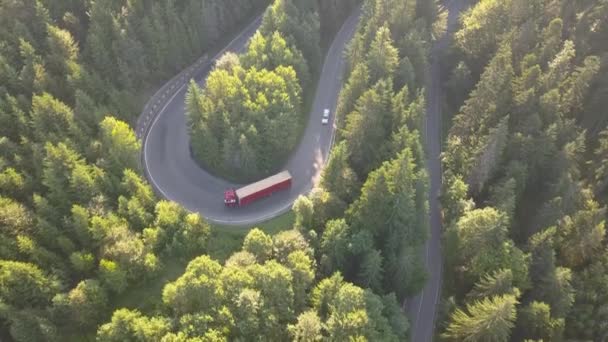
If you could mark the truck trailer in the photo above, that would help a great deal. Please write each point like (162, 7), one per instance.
(257, 190)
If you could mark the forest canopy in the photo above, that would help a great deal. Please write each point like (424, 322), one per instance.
(525, 189)
(370, 212)
(80, 226)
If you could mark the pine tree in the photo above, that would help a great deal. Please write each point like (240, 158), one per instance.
(383, 57)
(496, 284)
(338, 177)
(490, 319)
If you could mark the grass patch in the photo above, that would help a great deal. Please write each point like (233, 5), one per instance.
(225, 240)
(147, 297)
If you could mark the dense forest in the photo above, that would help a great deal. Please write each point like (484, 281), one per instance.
(525, 177)
(369, 216)
(268, 291)
(525, 172)
(80, 226)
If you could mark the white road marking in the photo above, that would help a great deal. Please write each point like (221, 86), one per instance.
(210, 218)
(436, 298)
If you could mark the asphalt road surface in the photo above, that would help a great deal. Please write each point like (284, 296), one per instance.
(422, 309)
(173, 173)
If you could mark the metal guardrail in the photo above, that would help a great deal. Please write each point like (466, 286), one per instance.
(155, 104)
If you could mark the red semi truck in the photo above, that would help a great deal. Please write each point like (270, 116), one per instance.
(257, 190)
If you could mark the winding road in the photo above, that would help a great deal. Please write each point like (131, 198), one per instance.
(422, 308)
(174, 174)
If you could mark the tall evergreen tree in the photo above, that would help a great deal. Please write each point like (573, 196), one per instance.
(490, 319)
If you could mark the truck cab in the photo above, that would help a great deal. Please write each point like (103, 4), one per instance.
(230, 198)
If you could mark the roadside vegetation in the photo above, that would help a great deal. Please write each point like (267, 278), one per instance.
(525, 177)
(226, 240)
(369, 217)
(267, 290)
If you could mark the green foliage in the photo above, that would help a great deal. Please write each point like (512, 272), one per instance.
(304, 211)
(307, 329)
(338, 177)
(31, 325)
(81, 227)
(581, 236)
(590, 310)
(51, 120)
(347, 316)
(120, 145)
(24, 285)
(354, 313)
(383, 56)
(490, 319)
(198, 289)
(226, 119)
(224, 240)
(525, 148)
(272, 52)
(489, 157)
(481, 25)
(554, 283)
(247, 120)
(82, 262)
(454, 199)
(481, 229)
(495, 284)
(535, 322)
(373, 234)
(127, 325)
(258, 244)
(600, 162)
(288, 241)
(483, 247)
(176, 231)
(112, 276)
(391, 216)
(335, 246)
(357, 83)
(303, 271)
(269, 301)
(326, 206)
(68, 178)
(85, 305)
(298, 21)
(367, 127)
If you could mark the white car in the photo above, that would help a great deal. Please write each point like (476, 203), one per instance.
(325, 119)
